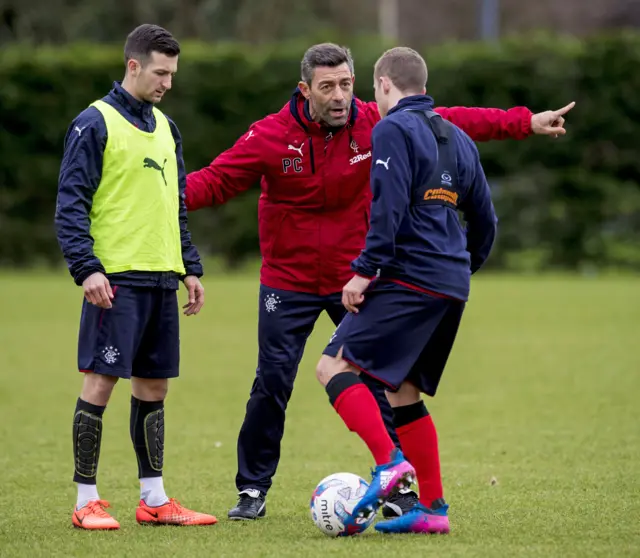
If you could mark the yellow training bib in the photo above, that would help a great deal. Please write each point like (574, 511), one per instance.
(135, 215)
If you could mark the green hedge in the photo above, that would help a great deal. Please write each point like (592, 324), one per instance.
(568, 203)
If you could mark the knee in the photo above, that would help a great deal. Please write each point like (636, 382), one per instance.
(97, 388)
(408, 394)
(328, 367)
(275, 379)
(322, 371)
(149, 390)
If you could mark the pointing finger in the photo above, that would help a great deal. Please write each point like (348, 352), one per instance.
(565, 109)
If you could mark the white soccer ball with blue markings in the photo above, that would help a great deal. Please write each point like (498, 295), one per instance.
(333, 501)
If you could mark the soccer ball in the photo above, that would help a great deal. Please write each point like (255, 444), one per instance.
(333, 501)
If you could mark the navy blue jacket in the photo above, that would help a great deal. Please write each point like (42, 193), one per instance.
(424, 245)
(80, 175)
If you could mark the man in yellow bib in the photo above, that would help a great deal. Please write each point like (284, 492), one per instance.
(121, 222)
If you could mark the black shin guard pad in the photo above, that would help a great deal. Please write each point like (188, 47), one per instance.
(87, 435)
(340, 383)
(147, 435)
(154, 438)
(409, 413)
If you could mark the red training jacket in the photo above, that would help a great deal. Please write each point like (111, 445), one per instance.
(313, 212)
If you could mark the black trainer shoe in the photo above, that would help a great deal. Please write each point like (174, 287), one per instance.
(251, 505)
(399, 504)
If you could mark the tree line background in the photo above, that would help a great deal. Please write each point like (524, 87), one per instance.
(416, 22)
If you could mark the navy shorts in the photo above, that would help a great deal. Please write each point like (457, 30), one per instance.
(139, 336)
(400, 334)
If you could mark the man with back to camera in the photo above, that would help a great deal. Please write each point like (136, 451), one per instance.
(122, 226)
(410, 287)
(313, 160)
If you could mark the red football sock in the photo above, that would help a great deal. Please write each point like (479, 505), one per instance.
(419, 442)
(359, 410)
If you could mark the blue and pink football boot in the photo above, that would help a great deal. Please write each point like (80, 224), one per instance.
(420, 519)
(387, 480)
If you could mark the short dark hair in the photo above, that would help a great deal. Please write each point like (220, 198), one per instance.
(324, 54)
(404, 67)
(148, 38)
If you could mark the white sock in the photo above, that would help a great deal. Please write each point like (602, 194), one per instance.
(86, 493)
(152, 491)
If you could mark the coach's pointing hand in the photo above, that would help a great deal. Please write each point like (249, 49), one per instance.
(196, 295)
(97, 290)
(352, 292)
(550, 122)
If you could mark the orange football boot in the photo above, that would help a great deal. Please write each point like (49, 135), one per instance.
(93, 516)
(171, 513)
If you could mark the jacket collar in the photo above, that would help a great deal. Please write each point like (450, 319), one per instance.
(139, 109)
(413, 102)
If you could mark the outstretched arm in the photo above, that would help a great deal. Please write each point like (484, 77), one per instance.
(229, 174)
(484, 124)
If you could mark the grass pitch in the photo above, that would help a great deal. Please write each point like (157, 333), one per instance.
(538, 418)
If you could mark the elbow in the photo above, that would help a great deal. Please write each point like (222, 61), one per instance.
(189, 197)
(188, 201)
(197, 196)
(195, 192)
(61, 226)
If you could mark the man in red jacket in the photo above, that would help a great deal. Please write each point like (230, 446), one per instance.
(313, 160)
